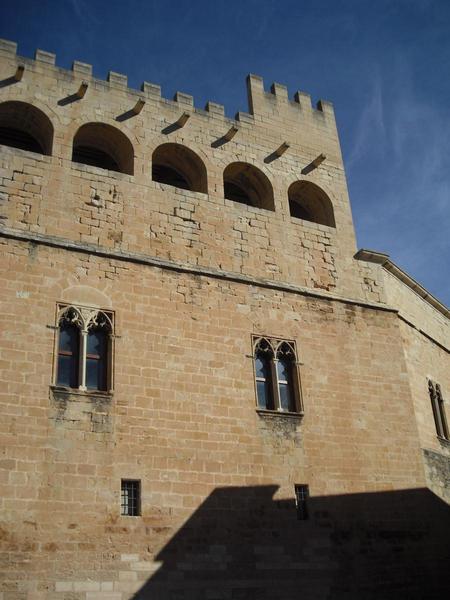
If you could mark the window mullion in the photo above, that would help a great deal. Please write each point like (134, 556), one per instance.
(297, 388)
(438, 414)
(275, 385)
(83, 352)
(109, 363)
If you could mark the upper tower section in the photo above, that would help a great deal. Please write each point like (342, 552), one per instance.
(109, 168)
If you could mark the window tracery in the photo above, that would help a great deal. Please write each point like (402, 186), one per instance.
(84, 348)
(276, 375)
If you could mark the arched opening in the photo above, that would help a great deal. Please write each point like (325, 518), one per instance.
(246, 184)
(309, 202)
(176, 165)
(25, 127)
(104, 146)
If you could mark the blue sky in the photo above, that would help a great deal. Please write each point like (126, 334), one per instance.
(385, 65)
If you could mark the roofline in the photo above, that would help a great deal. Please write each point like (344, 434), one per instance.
(382, 259)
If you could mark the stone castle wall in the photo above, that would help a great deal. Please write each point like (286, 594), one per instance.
(190, 277)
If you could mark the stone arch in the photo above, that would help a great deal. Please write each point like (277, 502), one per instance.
(26, 127)
(246, 184)
(104, 146)
(86, 295)
(309, 202)
(177, 165)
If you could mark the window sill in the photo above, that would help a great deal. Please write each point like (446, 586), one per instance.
(264, 412)
(59, 389)
(444, 441)
(101, 171)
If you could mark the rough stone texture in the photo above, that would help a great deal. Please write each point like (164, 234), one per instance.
(437, 468)
(218, 516)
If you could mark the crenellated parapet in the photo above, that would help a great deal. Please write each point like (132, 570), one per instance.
(273, 106)
(262, 194)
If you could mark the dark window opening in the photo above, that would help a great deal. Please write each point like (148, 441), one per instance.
(307, 201)
(298, 211)
(245, 184)
(130, 499)
(301, 501)
(286, 395)
(25, 127)
(87, 155)
(169, 176)
(68, 355)
(263, 380)
(96, 363)
(236, 193)
(178, 166)
(103, 146)
(16, 138)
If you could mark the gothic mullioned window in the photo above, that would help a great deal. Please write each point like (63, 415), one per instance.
(437, 404)
(84, 348)
(276, 375)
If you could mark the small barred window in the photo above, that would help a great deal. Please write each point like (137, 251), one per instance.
(130, 502)
(276, 375)
(301, 501)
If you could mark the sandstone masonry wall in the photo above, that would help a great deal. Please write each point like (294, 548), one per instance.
(190, 277)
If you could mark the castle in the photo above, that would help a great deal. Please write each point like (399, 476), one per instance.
(206, 391)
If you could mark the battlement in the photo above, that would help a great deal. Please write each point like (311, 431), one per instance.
(272, 105)
(262, 195)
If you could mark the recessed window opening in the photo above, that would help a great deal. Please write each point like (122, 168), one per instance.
(94, 157)
(309, 202)
(276, 375)
(130, 498)
(178, 166)
(103, 146)
(168, 175)
(84, 349)
(301, 501)
(437, 404)
(15, 138)
(25, 127)
(298, 211)
(236, 193)
(246, 184)
(68, 354)
(263, 374)
(96, 358)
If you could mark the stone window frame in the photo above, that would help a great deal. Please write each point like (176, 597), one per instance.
(438, 407)
(274, 346)
(84, 317)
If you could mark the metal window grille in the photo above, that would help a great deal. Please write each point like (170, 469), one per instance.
(301, 501)
(130, 504)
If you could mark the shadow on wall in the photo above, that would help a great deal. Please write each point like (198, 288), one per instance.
(242, 545)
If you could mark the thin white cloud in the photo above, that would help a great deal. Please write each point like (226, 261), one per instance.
(84, 11)
(402, 151)
(371, 124)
